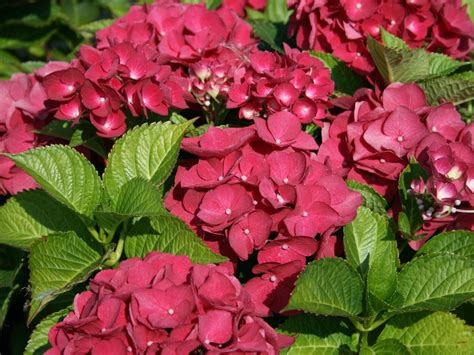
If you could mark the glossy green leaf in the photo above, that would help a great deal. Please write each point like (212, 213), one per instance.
(319, 335)
(65, 174)
(458, 242)
(372, 199)
(57, 263)
(329, 287)
(168, 234)
(149, 151)
(430, 333)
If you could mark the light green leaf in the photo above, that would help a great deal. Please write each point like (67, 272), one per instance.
(149, 151)
(437, 282)
(30, 215)
(430, 333)
(319, 335)
(392, 41)
(137, 198)
(372, 199)
(470, 8)
(65, 174)
(397, 65)
(277, 11)
(168, 234)
(213, 4)
(370, 246)
(57, 263)
(457, 242)
(38, 342)
(439, 64)
(329, 287)
(386, 347)
(95, 26)
(458, 88)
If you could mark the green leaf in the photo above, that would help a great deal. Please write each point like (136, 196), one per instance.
(149, 151)
(277, 11)
(30, 215)
(372, 199)
(386, 347)
(213, 4)
(65, 174)
(470, 8)
(411, 221)
(330, 287)
(319, 335)
(137, 198)
(430, 333)
(95, 26)
(396, 65)
(6, 296)
(439, 64)
(57, 263)
(458, 88)
(346, 80)
(271, 34)
(392, 41)
(438, 282)
(457, 242)
(38, 342)
(371, 248)
(168, 234)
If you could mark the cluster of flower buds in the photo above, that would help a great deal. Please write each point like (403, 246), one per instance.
(446, 198)
(164, 304)
(342, 27)
(21, 113)
(372, 140)
(295, 82)
(261, 188)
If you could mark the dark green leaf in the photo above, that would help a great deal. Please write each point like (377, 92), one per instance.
(168, 234)
(319, 335)
(38, 342)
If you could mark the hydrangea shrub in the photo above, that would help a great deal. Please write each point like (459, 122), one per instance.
(194, 184)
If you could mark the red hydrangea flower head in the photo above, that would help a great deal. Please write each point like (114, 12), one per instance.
(342, 27)
(373, 138)
(260, 188)
(21, 113)
(164, 304)
(293, 82)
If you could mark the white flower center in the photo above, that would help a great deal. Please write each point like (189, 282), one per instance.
(278, 141)
(246, 231)
(220, 178)
(70, 88)
(244, 178)
(228, 211)
(102, 100)
(285, 247)
(358, 5)
(285, 180)
(273, 278)
(171, 311)
(400, 138)
(149, 343)
(305, 214)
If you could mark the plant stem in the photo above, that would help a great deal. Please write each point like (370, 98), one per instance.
(117, 253)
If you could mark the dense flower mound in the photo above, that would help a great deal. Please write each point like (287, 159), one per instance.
(261, 188)
(342, 27)
(447, 198)
(164, 304)
(145, 63)
(270, 82)
(21, 113)
(375, 136)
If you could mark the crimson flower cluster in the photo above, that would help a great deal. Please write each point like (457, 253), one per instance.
(252, 183)
(446, 199)
(164, 304)
(295, 82)
(142, 64)
(21, 113)
(342, 27)
(375, 136)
